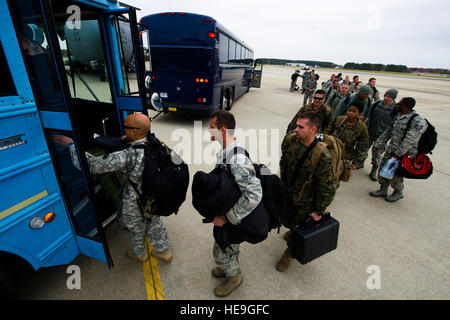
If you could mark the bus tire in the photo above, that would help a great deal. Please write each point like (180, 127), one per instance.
(229, 99)
(8, 288)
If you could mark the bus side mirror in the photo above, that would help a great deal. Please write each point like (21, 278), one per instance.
(148, 82)
(156, 102)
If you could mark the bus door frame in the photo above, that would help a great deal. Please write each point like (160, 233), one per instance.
(257, 74)
(60, 120)
(124, 104)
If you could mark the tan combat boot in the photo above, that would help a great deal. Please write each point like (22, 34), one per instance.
(228, 285)
(165, 256)
(132, 256)
(285, 261)
(287, 235)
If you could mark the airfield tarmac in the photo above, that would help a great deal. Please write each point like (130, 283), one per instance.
(406, 242)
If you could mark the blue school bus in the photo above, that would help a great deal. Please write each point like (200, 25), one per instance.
(199, 66)
(71, 67)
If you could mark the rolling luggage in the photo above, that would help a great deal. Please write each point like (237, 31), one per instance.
(311, 239)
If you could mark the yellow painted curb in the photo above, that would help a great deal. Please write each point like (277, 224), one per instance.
(153, 282)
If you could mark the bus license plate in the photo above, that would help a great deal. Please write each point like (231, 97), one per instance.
(172, 109)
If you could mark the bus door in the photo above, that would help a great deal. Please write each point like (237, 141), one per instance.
(127, 60)
(257, 73)
(68, 70)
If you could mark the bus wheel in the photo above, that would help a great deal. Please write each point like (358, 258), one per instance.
(229, 100)
(8, 289)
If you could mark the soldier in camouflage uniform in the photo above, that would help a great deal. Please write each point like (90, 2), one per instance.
(353, 133)
(381, 113)
(310, 87)
(130, 163)
(304, 198)
(398, 146)
(221, 128)
(317, 106)
(305, 78)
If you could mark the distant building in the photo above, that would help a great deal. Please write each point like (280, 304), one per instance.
(295, 64)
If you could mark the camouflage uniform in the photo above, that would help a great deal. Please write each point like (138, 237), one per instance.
(355, 138)
(342, 107)
(399, 146)
(130, 163)
(379, 118)
(324, 111)
(310, 87)
(334, 98)
(375, 94)
(317, 195)
(245, 176)
(305, 78)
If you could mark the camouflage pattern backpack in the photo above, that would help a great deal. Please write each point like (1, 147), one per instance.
(341, 168)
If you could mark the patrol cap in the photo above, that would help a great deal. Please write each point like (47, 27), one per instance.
(407, 101)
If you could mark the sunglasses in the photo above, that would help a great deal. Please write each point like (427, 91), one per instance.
(319, 98)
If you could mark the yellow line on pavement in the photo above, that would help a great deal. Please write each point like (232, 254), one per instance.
(153, 282)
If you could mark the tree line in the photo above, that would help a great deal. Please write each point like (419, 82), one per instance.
(358, 66)
(323, 64)
(376, 67)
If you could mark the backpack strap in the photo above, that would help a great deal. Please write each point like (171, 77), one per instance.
(236, 150)
(316, 148)
(408, 125)
(328, 110)
(344, 118)
(316, 152)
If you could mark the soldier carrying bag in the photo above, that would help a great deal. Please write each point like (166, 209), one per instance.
(312, 239)
(165, 179)
(420, 166)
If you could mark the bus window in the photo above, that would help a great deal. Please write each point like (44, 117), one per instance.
(74, 189)
(223, 48)
(83, 55)
(32, 38)
(232, 51)
(7, 87)
(127, 61)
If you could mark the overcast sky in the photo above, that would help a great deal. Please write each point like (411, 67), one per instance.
(411, 32)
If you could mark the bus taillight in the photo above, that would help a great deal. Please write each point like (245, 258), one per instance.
(211, 34)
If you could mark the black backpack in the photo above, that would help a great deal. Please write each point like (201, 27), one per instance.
(274, 191)
(165, 179)
(428, 139)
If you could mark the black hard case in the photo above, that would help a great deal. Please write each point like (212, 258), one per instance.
(314, 239)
